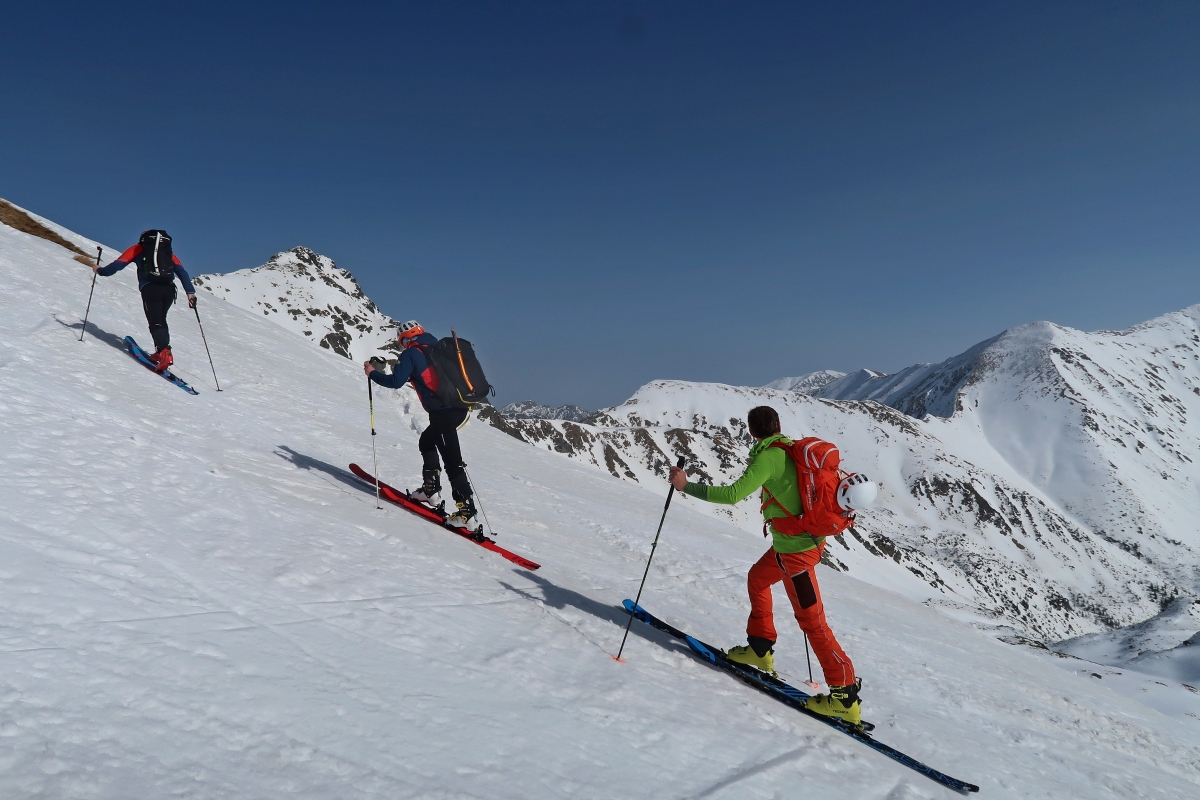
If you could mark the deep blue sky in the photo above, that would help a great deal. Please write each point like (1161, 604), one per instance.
(601, 194)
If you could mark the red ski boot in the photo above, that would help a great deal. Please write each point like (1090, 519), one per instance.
(162, 359)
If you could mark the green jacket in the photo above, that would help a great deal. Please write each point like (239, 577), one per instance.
(770, 467)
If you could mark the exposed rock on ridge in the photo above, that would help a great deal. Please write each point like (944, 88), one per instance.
(1045, 476)
(309, 294)
(528, 409)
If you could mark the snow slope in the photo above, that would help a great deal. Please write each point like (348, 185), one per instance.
(307, 293)
(199, 601)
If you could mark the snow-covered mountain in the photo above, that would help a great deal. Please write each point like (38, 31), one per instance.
(1043, 479)
(200, 601)
(1105, 424)
(308, 294)
(977, 474)
(1040, 434)
(529, 409)
(969, 534)
(808, 383)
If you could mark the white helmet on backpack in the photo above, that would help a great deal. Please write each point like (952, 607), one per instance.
(856, 491)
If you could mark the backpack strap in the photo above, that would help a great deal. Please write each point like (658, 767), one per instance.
(771, 499)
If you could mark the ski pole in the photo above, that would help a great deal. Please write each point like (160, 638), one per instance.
(476, 491)
(99, 251)
(374, 457)
(811, 683)
(653, 545)
(202, 336)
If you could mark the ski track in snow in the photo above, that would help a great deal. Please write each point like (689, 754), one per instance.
(199, 600)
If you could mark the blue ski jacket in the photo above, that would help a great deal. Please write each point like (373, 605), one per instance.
(131, 255)
(413, 367)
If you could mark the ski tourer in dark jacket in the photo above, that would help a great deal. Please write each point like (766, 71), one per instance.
(413, 367)
(153, 254)
(444, 420)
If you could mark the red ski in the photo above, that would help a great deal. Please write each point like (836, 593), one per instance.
(421, 510)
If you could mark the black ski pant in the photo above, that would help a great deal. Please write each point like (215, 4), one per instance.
(442, 437)
(156, 299)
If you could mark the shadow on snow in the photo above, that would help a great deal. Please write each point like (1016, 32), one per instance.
(555, 596)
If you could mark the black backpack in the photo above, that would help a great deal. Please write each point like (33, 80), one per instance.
(157, 260)
(461, 382)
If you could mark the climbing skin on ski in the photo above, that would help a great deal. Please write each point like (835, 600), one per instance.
(438, 516)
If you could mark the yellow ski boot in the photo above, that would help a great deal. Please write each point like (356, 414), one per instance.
(841, 702)
(744, 654)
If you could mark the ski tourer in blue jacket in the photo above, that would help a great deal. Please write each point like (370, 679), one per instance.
(413, 367)
(441, 437)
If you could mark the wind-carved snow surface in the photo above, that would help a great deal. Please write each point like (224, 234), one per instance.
(307, 293)
(1167, 645)
(198, 600)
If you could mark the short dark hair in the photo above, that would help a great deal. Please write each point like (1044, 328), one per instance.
(763, 422)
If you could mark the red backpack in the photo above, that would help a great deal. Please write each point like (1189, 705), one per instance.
(818, 474)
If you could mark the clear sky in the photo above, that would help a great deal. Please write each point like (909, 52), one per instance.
(601, 194)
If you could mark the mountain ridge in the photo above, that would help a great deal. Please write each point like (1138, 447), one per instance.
(201, 601)
(529, 409)
(971, 475)
(309, 294)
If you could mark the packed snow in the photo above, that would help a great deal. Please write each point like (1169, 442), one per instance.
(201, 601)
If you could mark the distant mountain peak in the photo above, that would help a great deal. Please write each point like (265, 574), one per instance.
(807, 383)
(304, 262)
(309, 294)
(529, 409)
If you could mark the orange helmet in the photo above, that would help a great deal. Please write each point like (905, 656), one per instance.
(410, 330)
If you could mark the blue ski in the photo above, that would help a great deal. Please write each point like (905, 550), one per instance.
(137, 352)
(795, 698)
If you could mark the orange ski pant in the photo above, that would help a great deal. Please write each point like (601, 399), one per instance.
(799, 576)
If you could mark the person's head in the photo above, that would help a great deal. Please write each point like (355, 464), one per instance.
(763, 422)
(409, 331)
